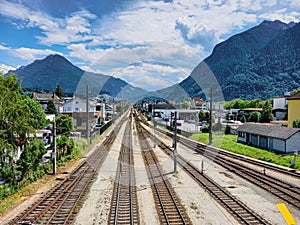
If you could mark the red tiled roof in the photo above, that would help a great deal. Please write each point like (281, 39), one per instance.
(198, 100)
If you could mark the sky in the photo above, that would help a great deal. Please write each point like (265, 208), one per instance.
(150, 44)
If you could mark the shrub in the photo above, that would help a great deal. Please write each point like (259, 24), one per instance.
(205, 129)
(227, 129)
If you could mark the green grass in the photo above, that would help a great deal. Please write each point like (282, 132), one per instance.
(229, 143)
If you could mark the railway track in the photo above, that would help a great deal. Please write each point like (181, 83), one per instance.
(58, 205)
(241, 212)
(169, 208)
(124, 205)
(286, 191)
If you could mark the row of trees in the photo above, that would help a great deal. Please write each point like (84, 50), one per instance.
(242, 104)
(264, 117)
(20, 117)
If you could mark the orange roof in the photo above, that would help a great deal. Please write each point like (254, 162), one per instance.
(198, 100)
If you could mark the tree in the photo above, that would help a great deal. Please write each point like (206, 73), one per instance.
(16, 123)
(185, 105)
(58, 91)
(243, 119)
(295, 91)
(51, 109)
(201, 115)
(37, 114)
(64, 124)
(31, 157)
(227, 129)
(254, 117)
(267, 115)
(296, 123)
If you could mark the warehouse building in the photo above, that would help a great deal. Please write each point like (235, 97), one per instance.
(270, 137)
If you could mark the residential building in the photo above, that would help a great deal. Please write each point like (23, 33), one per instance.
(293, 108)
(279, 105)
(270, 137)
(76, 107)
(43, 99)
(199, 103)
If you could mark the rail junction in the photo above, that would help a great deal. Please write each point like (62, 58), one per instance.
(61, 204)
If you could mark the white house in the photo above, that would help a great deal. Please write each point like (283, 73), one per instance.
(271, 137)
(279, 104)
(78, 105)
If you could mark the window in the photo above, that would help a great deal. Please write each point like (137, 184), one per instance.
(241, 134)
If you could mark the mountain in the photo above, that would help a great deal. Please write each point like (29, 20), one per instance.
(261, 62)
(45, 74)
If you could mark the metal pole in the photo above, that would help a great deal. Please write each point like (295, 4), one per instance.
(153, 108)
(175, 143)
(210, 118)
(87, 114)
(113, 114)
(54, 148)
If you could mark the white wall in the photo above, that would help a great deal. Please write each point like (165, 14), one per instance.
(293, 143)
(279, 103)
(78, 105)
(278, 145)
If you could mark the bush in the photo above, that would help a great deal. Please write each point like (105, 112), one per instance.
(227, 129)
(205, 129)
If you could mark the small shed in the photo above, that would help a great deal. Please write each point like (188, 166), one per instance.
(270, 137)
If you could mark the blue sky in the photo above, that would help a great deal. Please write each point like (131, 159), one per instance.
(149, 43)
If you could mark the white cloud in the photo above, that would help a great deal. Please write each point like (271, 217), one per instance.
(198, 23)
(281, 15)
(195, 33)
(2, 47)
(28, 53)
(151, 83)
(179, 33)
(27, 17)
(71, 29)
(75, 27)
(151, 75)
(5, 68)
(162, 52)
(294, 3)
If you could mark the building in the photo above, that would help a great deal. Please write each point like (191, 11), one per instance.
(199, 103)
(293, 108)
(279, 106)
(270, 137)
(43, 99)
(76, 108)
(247, 111)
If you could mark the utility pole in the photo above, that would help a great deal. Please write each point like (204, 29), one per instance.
(54, 148)
(87, 114)
(175, 143)
(113, 108)
(210, 117)
(154, 125)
